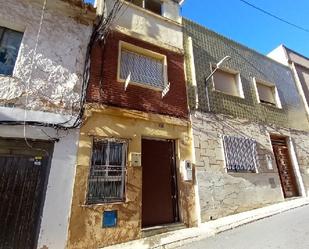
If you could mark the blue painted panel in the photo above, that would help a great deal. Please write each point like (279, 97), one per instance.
(109, 219)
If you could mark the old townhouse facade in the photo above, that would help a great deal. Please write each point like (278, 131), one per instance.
(134, 159)
(299, 64)
(43, 48)
(250, 128)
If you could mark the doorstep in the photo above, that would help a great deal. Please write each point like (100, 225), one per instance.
(151, 231)
(180, 237)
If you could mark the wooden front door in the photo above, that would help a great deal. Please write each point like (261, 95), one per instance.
(159, 186)
(284, 164)
(22, 184)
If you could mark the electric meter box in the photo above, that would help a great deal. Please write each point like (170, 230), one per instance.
(136, 159)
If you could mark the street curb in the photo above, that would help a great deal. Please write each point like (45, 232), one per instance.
(184, 236)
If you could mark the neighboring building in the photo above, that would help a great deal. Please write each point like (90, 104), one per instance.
(43, 48)
(300, 67)
(133, 173)
(250, 126)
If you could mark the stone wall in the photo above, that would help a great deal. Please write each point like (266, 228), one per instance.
(54, 72)
(223, 193)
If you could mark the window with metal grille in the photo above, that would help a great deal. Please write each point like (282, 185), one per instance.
(107, 171)
(240, 154)
(10, 41)
(146, 68)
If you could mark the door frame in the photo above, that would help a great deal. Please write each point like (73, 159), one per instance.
(50, 144)
(175, 166)
(294, 163)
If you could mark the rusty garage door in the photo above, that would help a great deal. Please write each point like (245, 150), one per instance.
(159, 186)
(23, 173)
(284, 164)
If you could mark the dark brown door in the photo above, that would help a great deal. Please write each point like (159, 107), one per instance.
(22, 184)
(159, 187)
(286, 172)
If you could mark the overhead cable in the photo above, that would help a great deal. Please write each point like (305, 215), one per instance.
(276, 17)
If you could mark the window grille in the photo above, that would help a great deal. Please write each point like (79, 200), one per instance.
(240, 154)
(10, 41)
(107, 171)
(142, 69)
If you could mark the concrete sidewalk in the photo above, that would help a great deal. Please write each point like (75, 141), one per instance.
(183, 236)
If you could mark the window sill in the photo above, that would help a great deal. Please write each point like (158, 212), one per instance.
(241, 172)
(141, 85)
(6, 75)
(105, 204)
(228, 94)
(270, 105)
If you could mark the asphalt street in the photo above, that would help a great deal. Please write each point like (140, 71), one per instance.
(288, 230)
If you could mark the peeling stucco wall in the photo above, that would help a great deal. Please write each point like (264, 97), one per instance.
(54, 72)
(85, 228)
(222, 193)
(164, 31)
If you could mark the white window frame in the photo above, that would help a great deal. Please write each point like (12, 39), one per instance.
(144, 6)
(233, 72)
(121, 198)
(269, 84)
(145, 52)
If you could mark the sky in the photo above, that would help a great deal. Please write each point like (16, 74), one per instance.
(254, 29)
(246, 25)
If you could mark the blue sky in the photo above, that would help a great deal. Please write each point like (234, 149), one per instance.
(252, 28)
(234, 19)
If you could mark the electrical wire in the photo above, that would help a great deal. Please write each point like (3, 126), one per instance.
(99, 33)
(276, 17)
(30, 75)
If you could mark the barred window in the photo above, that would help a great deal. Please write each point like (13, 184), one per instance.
(240, 154)
(10, 41)
(144, 68)
(107, 171)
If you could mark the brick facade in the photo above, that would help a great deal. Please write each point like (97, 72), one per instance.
(111, 92)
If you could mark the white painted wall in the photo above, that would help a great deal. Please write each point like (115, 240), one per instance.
(56, 77)
(157, 29)
(57, 205)
(55, 80)
(279, 55)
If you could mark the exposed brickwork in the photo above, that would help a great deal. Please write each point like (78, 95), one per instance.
(111, 92)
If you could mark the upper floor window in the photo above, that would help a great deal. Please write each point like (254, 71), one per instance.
(142, 66)
(10, 41)
(240, 154)
(228, 82)
(152, 5)
(267, 93)
(106, 181)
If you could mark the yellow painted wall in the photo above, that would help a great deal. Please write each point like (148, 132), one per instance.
(85, 228)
